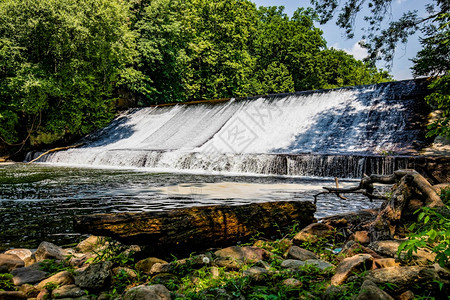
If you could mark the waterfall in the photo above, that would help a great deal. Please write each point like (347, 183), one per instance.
(341, 132)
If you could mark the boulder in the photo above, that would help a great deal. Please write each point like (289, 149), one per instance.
(48, 250)
(255, 272)
(95, 277)
(292, 282)
(320, 264)
(130, 272)
(61, 279)
(408, 295)
(145, 265)
(28, 275)
(243, 254)
(301, 254)
(385, 263)
(146, 292)
(29, 290)
(92, 243)
(21, 253)
(351, 265)
(161, 268)
(312, 233)
(9, 262)
(293, 264)
(389, 248)
(12, 295)
(361, 237)
(370, 291)
(352, 248)
(403, 278)
(68, 291)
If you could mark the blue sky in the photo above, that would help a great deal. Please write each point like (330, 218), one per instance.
(334, 35)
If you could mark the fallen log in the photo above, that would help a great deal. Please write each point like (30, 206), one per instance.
(408, 184)
(54, 150)
(198, 227)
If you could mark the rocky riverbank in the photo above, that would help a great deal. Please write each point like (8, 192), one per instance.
(333, 259)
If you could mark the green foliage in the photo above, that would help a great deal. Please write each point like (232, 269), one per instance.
(432, 231)
(6, 283)
(52, 266)
(115, 252)
(59, 61)
(381, 42)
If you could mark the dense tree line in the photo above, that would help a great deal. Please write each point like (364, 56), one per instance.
(64, 63)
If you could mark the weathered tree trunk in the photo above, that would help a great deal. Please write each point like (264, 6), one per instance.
(407, 183)
(197, 227)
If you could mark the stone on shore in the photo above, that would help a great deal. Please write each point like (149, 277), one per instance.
(28, 275)
(349, 266)
(95, 277)
(145, 265)
(301, 254)
(9, 262)
(90, 244)
(148, 292)
(312, 233)
(68, 291)
(389, 248)
(48, 250)
(370, 291)
(12, 295)
(403, 278)
(21, 253)
(61, 279)
(243, 254)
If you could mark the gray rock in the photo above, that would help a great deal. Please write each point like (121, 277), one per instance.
(370, 291)
(320, 264)
(95, 277)
(48, 250)
(9, 262)
(21, 253)
(301, 254)
(28, 275)
(351, 265)
(404, 277)
(61, 279)
(146, 292)
(292, 264)
(68, 291)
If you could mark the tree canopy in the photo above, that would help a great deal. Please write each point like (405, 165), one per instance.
(381, 41)
(64, 63)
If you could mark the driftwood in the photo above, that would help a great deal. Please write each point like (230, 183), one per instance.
(408, 184)
(54, 150)
(196, 227)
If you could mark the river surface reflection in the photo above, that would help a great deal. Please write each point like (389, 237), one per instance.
(38, 202)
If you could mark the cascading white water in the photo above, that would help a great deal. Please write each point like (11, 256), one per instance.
(295, 134)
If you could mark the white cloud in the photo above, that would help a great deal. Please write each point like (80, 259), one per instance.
(401, 1)
(357, 51)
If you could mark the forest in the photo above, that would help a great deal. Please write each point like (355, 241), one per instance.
(65, 65)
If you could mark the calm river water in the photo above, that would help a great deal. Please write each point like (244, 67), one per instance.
(38, 202)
